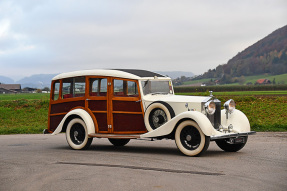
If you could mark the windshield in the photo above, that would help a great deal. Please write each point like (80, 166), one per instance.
(156, 87)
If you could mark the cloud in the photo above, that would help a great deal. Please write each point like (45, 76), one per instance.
(188, 35)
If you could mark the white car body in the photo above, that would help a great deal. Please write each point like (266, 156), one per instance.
(164, 113)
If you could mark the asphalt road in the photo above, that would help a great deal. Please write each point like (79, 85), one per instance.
(45, 162)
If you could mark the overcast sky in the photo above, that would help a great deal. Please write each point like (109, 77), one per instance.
(52, 36)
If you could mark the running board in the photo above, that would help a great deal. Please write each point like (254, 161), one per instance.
(114, 136)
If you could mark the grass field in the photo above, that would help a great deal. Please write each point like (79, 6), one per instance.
(36, 96)
(278, 79)
(28, 113)
(239, 93)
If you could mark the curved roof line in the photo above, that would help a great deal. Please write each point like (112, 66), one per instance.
(121, 73)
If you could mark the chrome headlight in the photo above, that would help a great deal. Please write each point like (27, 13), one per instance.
(230, 105)
(210, 107)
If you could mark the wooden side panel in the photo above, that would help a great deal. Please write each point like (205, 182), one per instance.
(66, 106)
(102, 121)
(128, 122)
(55, 121)
(130, 106)
(98, 105)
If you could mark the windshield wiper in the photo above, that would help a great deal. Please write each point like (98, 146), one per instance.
(146, 82)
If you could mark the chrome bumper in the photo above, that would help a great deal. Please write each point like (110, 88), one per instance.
(234, 135)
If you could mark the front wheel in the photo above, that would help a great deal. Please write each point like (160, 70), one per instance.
(228, 147)
(77, 134)
(119, 142)
(190, 140)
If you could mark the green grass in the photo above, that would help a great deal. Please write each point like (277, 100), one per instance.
(237, 93)
(36, 96)
(23, 116)
(252, 79)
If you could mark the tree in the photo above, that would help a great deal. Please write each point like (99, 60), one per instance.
(241, 80)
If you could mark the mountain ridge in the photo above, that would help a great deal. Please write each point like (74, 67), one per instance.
(268, 55)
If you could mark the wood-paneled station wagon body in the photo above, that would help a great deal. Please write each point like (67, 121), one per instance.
(124, 104)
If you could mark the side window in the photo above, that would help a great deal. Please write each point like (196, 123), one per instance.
(73, 87)
(124, 88)
(132, 89)
(119, 88)
(98, 87)
(56, 90)
(67, 88)
(79, 87)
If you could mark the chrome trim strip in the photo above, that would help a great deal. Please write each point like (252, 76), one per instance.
(212, 138)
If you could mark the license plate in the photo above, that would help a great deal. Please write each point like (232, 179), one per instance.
(239, 140)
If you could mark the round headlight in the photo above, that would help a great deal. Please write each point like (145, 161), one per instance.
(230, 105)
(210, 107)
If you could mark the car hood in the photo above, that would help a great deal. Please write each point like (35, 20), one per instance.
(176, 98)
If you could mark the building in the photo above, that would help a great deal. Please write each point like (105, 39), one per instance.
(10, 88)
(262, 81)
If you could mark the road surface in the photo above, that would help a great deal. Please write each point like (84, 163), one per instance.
(46, 162)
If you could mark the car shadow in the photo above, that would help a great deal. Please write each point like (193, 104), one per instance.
(172, 151)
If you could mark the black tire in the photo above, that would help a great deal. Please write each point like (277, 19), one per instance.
(157, 114)
(224, 145)
(119, 142)
(77, 135)
(190, 140)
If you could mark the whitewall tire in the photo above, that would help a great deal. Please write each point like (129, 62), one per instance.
(77, 134)
(157, 114)
(190, 140)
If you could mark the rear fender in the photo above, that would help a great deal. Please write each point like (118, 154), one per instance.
(84, 115)
(169, 126)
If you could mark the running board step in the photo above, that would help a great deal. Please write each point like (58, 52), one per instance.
(114, 136)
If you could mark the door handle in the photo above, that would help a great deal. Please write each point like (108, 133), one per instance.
(138, 101)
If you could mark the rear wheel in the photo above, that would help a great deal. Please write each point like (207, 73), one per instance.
(190, 139)
(77, 134)
(119, 142)
(225, 145)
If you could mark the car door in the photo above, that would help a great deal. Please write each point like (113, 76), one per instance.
(127, 116)
(98, 101)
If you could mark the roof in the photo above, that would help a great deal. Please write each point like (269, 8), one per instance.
(121, 73)
(262, 81)
(11, 86)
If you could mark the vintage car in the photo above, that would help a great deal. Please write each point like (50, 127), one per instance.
(124, 104)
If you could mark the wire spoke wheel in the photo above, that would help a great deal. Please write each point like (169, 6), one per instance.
(157, 118)
(157, 114)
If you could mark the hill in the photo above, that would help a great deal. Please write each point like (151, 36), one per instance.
(6, 80)
(37, 81)
(268, 55)
(176, 74)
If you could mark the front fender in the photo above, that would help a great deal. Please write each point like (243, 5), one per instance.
(169, 126)
(82, 114)
(238, 120)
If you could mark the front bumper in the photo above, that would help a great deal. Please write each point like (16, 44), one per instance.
(233, 135)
